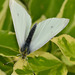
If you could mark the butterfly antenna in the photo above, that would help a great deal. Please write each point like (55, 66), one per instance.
(30, 66)
(13, 60)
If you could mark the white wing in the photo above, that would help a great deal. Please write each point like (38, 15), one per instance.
(46, 30)
(21, 20)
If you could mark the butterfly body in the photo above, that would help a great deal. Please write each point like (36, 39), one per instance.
(25, 48)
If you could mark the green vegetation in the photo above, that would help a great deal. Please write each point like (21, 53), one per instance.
(57, 57)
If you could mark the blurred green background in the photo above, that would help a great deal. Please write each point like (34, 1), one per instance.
(39, 10)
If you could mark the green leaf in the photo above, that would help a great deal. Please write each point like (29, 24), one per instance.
(67, 11)
(40, 7)
(7, 25)
(59, 70)
(71, 73)
(5, 21)
(8, 44)
(37, 8)
(66, 44)
(40, 62)
(1, 4)
(55, 50)
(3, 10)
(53, 8)
(70, 6)
(71, 69)
(6, 68)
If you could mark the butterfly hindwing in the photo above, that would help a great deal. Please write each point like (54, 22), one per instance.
(46, 30)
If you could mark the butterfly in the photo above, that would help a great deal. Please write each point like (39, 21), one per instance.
(31, 39)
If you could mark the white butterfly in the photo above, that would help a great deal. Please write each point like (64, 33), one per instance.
(32, 39)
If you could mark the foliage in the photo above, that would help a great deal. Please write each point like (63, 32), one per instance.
(57, 57)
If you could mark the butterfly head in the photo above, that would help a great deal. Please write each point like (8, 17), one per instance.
(24, 50)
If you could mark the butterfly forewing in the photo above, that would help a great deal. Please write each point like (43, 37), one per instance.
(21, 20)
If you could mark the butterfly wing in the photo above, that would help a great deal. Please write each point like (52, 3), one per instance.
(21, 20)
(46, 30)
